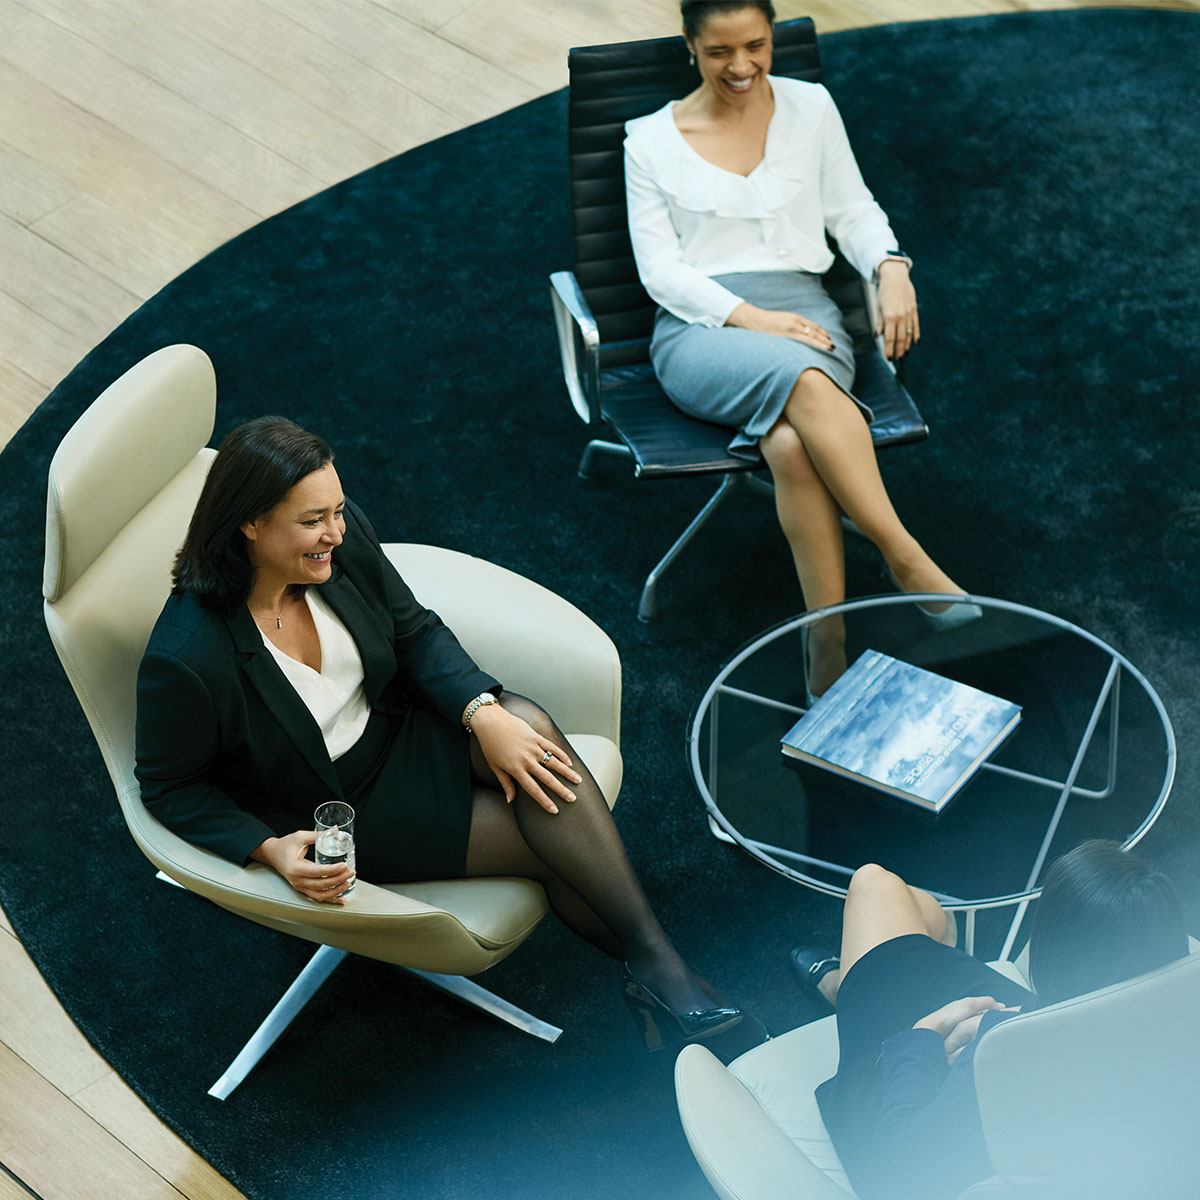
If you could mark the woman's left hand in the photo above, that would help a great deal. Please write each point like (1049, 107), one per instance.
(897, 318)
(521, 758)
(957, 1023)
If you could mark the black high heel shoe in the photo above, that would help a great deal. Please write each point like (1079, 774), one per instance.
(662, 1026)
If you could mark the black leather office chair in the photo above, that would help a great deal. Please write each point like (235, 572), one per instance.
(604, 317)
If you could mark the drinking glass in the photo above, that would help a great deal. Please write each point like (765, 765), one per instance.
(335, 836)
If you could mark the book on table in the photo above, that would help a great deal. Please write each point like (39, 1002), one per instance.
(901, 730)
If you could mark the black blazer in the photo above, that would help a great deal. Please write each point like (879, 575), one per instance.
(227, 752)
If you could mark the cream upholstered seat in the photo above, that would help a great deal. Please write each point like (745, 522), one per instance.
(122, 487)
(1095, 1098)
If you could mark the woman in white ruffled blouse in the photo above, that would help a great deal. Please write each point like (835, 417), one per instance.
(730, 193)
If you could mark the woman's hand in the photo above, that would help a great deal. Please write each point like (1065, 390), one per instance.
(957, 1023)
(780, 324)
(517, 755)
(896, 317)
(286, 856)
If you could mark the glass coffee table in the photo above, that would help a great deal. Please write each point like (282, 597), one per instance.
(1093, 756)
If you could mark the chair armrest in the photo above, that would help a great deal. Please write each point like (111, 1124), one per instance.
(740, 1149)
(579, 344)
(532, 640)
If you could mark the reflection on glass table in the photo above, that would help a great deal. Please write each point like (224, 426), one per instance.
(1093, 755)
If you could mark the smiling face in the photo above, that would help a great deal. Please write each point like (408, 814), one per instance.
(293, 542)
(733, 53)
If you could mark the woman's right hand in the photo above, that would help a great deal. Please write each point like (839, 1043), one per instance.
(957, 1023)
(779, 324)
(287, 856)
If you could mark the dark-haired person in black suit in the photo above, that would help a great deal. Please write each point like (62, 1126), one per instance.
(292, 665)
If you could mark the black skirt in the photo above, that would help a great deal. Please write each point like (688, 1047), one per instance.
(409, 781)
(889, 989)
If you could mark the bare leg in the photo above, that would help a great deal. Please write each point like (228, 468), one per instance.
(811, 520)
(837, 444)
(881, 906)
(580, 849)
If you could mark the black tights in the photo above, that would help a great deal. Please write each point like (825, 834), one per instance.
(578, 856)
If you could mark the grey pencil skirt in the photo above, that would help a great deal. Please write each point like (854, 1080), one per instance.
(742, 378)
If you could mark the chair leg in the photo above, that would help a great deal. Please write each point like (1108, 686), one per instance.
(471, 993)
(319, 968)
(303, 988)
(600, 446)
(648, 605)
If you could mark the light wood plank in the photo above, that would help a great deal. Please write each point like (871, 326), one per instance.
(427, 15)
(58, 286)
(35, 346)
(34, 1026)
(58, 1150)
(10, 1189)
(156, 40)
(151, 113)
(20, 394)
(109, 165)
(115, 1106)
(122, 248)
(395, 116)
(29, 190)
(466, 86)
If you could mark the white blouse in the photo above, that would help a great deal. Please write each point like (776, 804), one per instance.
(690, 220)
(334, 695)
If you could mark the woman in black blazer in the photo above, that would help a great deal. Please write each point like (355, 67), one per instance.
(292, 665)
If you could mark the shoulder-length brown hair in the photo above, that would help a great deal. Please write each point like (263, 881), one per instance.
(256, 466)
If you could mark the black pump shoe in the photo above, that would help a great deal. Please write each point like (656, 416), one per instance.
(661, 1025)
(811, 966)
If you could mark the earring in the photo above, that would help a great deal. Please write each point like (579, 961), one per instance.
(691, 58)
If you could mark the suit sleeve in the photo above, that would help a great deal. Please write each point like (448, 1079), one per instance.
(928, 1138)
(177, 742)
(429, 657)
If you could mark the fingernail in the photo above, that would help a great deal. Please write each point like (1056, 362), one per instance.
(571, 797)
(554, 808)
(576, 778)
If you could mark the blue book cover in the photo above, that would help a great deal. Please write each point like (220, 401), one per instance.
(902, 730)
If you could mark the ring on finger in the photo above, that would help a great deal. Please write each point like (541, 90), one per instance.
(545, 759)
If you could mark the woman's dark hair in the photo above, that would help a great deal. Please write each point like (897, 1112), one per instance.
(696, 12)
(1104, 916)
(256, 466)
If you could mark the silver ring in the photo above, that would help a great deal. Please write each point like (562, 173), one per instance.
(803, 328)
(545, 759)
(908, 329)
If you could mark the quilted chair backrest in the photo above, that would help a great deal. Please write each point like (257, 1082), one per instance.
(122, 487)
(609, 85)
(1097, 1097)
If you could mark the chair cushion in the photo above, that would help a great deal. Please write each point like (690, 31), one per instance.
(782, 1076)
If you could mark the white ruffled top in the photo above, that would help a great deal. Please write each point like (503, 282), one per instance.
(690, 220)
(334, 694)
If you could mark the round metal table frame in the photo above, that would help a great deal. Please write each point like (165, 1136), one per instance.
(776, 857)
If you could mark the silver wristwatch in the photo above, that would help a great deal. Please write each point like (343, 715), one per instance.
(475, 705)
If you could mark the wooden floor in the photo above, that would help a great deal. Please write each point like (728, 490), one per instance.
(136, 136)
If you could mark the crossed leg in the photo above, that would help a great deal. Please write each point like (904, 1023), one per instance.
(881, 906)
(580, 859)
(822, 461)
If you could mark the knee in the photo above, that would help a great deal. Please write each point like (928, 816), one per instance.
(813, 395)
(784, 452)
(871, 879)
(532, 714)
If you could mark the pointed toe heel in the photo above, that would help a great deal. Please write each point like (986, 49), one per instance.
(661, 1026)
